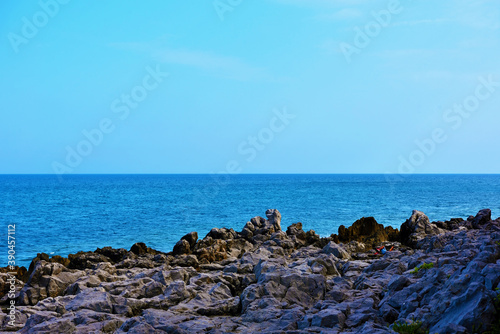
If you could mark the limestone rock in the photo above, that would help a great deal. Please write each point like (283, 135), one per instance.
(416, 228)
(270, 281)
(367, 231)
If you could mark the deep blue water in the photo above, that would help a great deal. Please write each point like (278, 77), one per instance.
(83, 212)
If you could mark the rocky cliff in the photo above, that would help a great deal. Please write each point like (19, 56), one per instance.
(440, 276)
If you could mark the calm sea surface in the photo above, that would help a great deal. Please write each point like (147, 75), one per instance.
(83, 212)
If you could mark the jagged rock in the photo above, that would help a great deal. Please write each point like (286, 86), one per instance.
(367, 231)
(182, 247)
(140, 248)
(95, 299)
(85, 260)
(328, 318)
(115, 255)
(191, 238)
(450, 225)
(47, 280)
(482, 217)
(336, 250)
(312, 237)
(210, 250)
(274, 218)
(222, 233)
(271, 282)
(297, 231)
(416, 228)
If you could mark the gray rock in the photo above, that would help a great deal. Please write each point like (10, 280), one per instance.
(95, 299)
(271, 282)
(336, 250)
(328, 318)
(416, 228)
(482, 217)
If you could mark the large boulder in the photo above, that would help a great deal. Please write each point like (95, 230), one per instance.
(416, 228)
(187, 243)
(336, 250)
(482, 217)
(222, 233)
(140, 248)
(191, 238)
(115, 255)
(274, 218)
(368, 231)
(181, 247)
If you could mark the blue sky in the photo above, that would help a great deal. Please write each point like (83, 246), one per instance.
(252, 86)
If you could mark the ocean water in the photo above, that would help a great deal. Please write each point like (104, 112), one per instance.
(83, 212)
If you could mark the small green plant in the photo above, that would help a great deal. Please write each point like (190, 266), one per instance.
(424, 266)
(415, 327)
(498, 243)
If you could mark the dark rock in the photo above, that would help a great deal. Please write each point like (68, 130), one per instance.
(450, 225)
(297, 231)
(21, 273)
(367, 230)
(222, 233)
(182, 247)
(209, 250)
(140, 248)
(482, 217)
(86, 260)
(388, 313)
(328, 318)
(59, 259)
(115, 255)
(416, 228)
(191, 238)
(312, 237)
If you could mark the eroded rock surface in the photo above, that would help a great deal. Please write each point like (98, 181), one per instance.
(263, 279)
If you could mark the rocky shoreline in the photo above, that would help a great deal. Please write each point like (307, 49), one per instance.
(440, 276)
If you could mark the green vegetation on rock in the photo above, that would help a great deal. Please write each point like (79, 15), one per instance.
(424, 266)
(415, 327)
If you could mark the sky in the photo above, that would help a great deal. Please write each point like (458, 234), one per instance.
(240, 86)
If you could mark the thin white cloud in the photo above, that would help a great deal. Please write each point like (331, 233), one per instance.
(219, 65)
(478, 14)
(230, 67)
(403, 53)
(420, 22)
(343, 14)
(326, 3)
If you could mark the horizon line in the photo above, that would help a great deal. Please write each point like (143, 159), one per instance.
(236, 174)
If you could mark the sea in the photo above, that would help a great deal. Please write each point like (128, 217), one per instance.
(60, 216)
